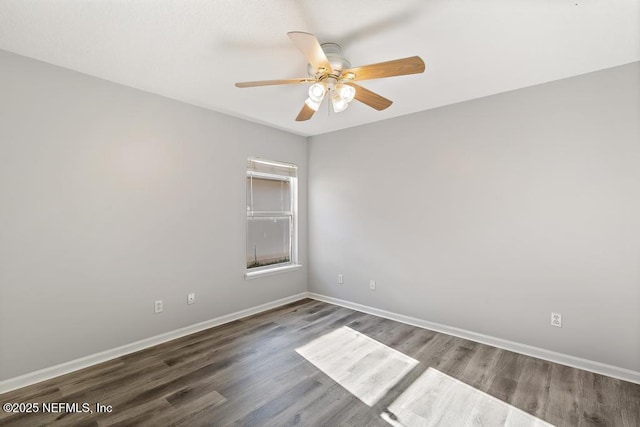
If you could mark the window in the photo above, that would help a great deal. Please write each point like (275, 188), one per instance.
(271, 216)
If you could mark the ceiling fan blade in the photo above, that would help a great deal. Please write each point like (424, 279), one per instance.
(311, 49)
(274, 82)
(397, 67)
(370, 98)
(305, 114)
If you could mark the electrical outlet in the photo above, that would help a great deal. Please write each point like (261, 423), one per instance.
(556, 320)
(372, 285)
(340, 280)
(191, 298)
(158, 306)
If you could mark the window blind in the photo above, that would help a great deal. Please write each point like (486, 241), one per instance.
(275, 168)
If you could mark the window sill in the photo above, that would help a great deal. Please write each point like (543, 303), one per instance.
(268, 272)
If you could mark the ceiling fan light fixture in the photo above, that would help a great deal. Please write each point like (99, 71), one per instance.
(346, 92)
(317, 91)
(329, 72)
(339, 104)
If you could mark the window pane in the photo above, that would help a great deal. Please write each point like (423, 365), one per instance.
(268, 241)
(269, 194)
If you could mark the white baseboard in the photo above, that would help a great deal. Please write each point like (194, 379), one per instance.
(540, 353)
(93, 359)
(103, 356)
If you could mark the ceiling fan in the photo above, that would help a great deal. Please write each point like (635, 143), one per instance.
(330, 73)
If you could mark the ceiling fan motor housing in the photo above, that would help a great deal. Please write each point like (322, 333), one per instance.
(338, 62)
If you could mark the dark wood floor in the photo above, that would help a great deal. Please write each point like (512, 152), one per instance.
(248, 373)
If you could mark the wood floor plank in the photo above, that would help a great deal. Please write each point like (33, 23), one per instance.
(247, 372)
(478, 372)
(505, 376)
(137, 414)
(531, 394)
(303, 391)
(188, 411)
(244, 403)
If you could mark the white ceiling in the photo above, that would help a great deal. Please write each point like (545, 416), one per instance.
(195, 50)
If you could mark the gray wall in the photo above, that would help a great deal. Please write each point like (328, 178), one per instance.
(488, 215)
(111, 198)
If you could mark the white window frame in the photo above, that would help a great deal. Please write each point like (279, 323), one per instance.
(292, 264)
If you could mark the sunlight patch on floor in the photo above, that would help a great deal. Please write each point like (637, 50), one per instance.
(363, 366)
(436, 399)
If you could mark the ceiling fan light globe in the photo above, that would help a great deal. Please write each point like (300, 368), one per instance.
(338, 103)
(317, 91)
(346, 92)
(314, 105)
